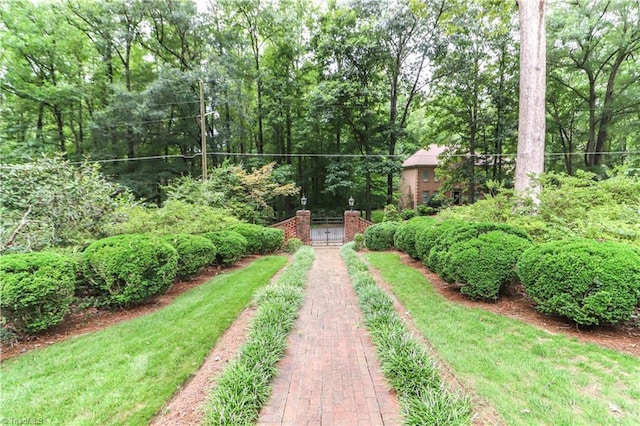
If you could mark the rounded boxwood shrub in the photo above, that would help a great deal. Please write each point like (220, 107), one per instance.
(439, 255)
(358, 241)
(587, 281)
(429, 233)
(405, 236)
(231, 246)
(272, 240)
(293, 244)
(380, 236)
(125, 270)
(254, 235)
(486, 263)
(194, 253)
(36, 290)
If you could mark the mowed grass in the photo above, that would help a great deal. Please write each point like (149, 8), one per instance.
(125, 374)
(530, 376)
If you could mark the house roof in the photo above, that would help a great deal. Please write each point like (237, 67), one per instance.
(425, 157)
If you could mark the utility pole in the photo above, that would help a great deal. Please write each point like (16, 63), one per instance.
(203, 133)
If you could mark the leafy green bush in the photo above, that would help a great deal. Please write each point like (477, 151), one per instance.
(57, 203)
(426, 210)
(570, 207)
(358, 241)
(272, 239)
(439, 255)
(586, 281)
(293, 244)
(230, 245)
(260, 239)
(407, 214)
(175, 217)
(429, 233)
(486, 263)
(380, 235)
(194, 253)
(126, 270)
(36, 290)
(405, 236)
(391, 214)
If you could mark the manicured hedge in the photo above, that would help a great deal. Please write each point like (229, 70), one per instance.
(272, 240)
(260, 239)
(405, 236)
(230, 245)
(427, 236)
(380, 236)
(439, 255)
(194, 253)
(587, 281)
(486, 263)
(36, 290)
(126, 270)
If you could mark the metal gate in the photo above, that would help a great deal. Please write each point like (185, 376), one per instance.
(327, 229)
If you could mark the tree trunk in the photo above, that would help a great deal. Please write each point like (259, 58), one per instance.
(531, 119)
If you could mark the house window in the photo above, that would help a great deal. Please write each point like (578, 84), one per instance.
(425, 197)
(435, 177)
(425, 175)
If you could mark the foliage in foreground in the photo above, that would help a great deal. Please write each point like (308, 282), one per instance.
(50, 202)
(530, 376)
(174, 217)
(570, 207)
(424, 396)
(126, 270)
(586, 281)
(125, 374)
(244, 385)
(36, 290)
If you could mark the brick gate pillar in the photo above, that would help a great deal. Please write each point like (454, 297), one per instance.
(351, 225)
(303, 226)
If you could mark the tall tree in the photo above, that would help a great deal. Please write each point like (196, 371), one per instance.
(531, 118)
(592, 59)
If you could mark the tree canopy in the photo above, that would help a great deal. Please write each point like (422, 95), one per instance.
(335, 93)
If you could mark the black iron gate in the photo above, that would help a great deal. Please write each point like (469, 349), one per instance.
(327, 229)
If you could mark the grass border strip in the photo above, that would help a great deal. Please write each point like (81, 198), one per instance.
(404, 362)
(244, 386)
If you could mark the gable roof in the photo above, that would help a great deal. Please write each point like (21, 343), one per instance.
(425, 157)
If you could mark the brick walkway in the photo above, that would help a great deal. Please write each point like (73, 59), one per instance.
(330, 374)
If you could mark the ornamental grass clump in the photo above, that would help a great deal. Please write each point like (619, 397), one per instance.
(422, 393)
(127, 270)
(194, 253)
(244, 386)
(587, 281)
(36, 290)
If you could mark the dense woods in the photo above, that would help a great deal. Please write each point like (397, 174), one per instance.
(336, 93)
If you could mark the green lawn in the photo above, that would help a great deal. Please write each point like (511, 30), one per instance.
(530, 376)
(126, 373)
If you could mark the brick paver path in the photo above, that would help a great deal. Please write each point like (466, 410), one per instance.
(330, 374)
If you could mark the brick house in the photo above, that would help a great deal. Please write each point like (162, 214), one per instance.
(419, 181)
